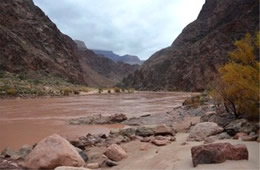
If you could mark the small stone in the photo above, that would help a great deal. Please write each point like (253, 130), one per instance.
(145, 147)
(93, 165)
(110, 163)
(240, 135)
(70, 168)
(184, 143)
(148, 139)
(160, 142)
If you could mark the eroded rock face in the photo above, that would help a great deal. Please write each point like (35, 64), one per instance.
(202, 130)
(32, 44)
(51, 152)
(115, 152)
(218, 153)
(191, 62)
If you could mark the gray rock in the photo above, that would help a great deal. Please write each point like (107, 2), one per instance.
(15, 155)
(223, 135)
(240, 125)
(202, 130)
(164, 130)
(144, 131)
(129, 132)
(222, 119)
(110, 163)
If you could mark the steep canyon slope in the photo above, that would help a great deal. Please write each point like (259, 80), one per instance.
(31, 44)
(191, 62)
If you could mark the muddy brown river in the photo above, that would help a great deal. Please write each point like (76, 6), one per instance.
(26, 121)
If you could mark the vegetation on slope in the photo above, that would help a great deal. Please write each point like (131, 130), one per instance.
(238, 85)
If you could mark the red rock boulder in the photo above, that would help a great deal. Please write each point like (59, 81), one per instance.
(115, 152)
(218, 153)
(52, 152)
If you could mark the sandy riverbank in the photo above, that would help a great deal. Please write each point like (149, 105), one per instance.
(178, 157)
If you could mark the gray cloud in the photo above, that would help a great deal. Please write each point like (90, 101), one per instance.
(138, 27)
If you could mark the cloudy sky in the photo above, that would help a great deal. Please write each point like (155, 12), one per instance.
(138, 27)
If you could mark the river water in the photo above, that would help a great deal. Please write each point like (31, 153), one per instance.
(26, 121)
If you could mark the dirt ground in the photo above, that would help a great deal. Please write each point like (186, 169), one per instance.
(176, 156)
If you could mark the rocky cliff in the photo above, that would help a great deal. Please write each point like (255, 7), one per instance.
(32, 44)
(191, 62)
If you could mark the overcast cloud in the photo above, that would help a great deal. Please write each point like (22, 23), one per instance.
(138, 27)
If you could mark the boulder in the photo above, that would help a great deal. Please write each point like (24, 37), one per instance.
(144, 131)
(115, 152)
(218, 153)
(164, 130)
(70, 168)
(202, 130)
(51, 152)
(240, 125)
(222, 119)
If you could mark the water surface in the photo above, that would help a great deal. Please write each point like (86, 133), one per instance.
(26, 121)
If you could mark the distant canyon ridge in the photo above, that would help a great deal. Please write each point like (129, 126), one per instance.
(31, 43)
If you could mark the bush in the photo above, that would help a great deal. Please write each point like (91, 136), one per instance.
(100, 90)
(76, 92)
(117, 90)
(131, 90)
(238, 85)
(108, 91)
(67, 91)
(84, 89)
(12, 92)
(2, 74)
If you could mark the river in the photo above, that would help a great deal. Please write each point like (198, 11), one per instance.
(26, 121)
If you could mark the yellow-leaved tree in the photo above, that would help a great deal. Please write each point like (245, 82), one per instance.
(238, 85)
